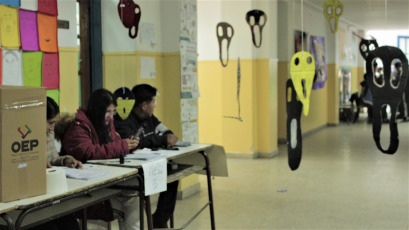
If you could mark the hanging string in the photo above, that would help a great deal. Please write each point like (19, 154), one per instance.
(122, 52)
(302, 25)
(386, 22)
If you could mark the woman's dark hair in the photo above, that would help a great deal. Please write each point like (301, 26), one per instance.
(52, 108)
(97, 107)
(143, 93)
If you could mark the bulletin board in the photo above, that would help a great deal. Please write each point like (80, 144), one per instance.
(29, 45)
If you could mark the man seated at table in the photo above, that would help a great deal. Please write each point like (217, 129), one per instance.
(154, 135)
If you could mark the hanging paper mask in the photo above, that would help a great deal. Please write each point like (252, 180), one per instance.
(224, 31)
(294, 138)
(130, 15)
(387, 85)
(332, 11)
(365, 46)
(256, 18)
(302, 70)
(125, 100)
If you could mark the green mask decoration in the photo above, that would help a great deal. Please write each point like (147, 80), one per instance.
(302, 70)
(332, 11)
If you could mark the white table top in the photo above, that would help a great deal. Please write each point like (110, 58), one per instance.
(6, 207)
(168, 154)
(76, 186)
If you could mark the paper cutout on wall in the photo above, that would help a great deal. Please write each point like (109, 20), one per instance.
(294, 138)
(238, 92)
(12, 67)
(387, 73)
(28, 30)
(9, 27)
(48, 7)
(319, 54)
(15, 3)
(29, 5)
(32, 68)
(130, 15)
(54, 94)
(47, 33)
(224, 31)
(302, 70)
(256, 19)
(51, 71)
(125, 101)
(332, 11)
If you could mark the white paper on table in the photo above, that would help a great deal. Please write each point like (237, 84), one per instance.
(155, 176)
(84, 174)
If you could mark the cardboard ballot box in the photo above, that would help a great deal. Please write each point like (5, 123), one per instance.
(23, 142)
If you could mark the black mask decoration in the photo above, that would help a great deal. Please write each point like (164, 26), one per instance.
(256, 14)
(294, 139)
(224, 31)
(130, 15)
(386, 89)
(365, 46)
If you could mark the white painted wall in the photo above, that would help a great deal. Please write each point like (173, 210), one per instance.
(163, 15)
(67, 11)
(210, 13)
(294, 16)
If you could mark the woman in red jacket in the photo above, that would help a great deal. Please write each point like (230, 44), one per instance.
(92, 136)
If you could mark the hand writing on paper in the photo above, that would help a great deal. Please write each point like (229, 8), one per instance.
(72, 163)
(172, 139)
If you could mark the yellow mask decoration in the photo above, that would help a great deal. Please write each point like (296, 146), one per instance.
(125, 100)
(332, 11)
(302, 70)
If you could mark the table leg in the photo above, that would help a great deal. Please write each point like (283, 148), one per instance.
(209, 189)
(8, 221)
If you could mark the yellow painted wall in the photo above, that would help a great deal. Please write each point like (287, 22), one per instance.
(266, 101)
(282, 76)
(69, 89)
(209, 102)
(256, 134)
(332, 86)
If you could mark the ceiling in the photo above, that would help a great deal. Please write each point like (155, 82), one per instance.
(372, 14)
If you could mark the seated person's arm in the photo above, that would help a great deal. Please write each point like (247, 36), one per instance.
(79, 143)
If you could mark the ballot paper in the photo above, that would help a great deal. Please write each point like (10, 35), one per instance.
(84, 174)
(144, 154)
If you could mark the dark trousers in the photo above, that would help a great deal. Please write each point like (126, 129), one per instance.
(166, 206)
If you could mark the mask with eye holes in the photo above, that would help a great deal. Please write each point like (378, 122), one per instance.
(302, 71)
(386, 89)
(257, 15)
(130, 15)
(224, 31)
(332, 11)
(365, 46)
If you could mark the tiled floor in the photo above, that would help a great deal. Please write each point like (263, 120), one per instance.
(343, 182)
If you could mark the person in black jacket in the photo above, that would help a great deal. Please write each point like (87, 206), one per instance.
(152, 134)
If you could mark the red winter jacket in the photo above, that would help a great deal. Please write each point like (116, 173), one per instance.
(81, 141)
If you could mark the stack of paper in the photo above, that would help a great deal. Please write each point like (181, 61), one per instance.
(83, 174)
(144, 154)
